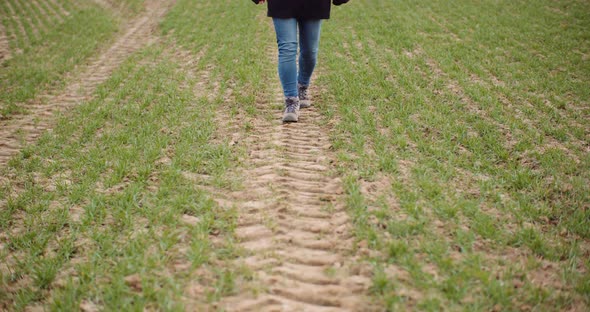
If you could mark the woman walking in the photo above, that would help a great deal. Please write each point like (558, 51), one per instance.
(291, 17)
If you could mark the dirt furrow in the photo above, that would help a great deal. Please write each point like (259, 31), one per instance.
(43, 16)
(58, 6)
(294, 227)
(53, 16)
(29, 18)
(4, 44)
(104, 3)
(19, 28)
(26, 128)
(37, 18)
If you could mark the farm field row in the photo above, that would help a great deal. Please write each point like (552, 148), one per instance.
(444, 165)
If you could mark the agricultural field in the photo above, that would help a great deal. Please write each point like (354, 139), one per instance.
(444, 165)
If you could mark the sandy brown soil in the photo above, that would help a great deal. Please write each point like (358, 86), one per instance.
(293, 223)
(26, 128)
(4, 46)
(104, 3)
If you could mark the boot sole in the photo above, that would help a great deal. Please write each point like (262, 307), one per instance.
(290, 117)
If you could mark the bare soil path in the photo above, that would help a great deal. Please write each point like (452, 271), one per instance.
(104, 3)
(293, 224)
(26, 128)
(4, 45)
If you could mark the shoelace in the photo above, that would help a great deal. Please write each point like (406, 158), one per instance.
(291, 106)
(303, 93)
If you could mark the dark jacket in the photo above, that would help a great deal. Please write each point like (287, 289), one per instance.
(301, 9)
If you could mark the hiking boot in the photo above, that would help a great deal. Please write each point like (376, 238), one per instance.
(291, 110)
(304, 100)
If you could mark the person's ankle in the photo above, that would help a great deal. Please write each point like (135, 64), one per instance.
(304, 100)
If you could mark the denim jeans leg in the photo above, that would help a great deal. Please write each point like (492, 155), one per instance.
(286, 31)
(309, 40)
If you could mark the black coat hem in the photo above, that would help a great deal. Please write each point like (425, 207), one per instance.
(299, 9)
(307, 17)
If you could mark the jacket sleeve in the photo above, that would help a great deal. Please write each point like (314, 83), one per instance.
(339, 2)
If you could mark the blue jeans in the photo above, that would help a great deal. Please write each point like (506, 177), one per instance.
(309, 39)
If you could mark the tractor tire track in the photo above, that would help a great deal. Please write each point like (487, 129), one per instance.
(293, 224)
(27, 128)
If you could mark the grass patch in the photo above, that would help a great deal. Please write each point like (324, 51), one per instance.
(240, 47)
(460, 128)
(44, 61)
(473, 126)
(95, 208)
